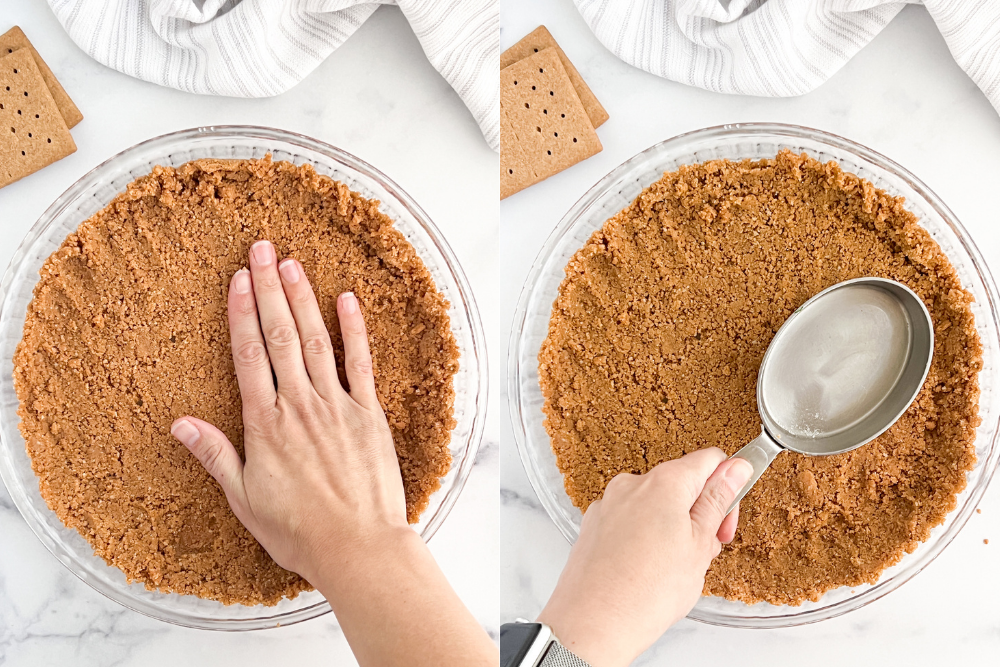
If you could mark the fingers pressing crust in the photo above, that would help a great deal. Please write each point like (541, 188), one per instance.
(218, 456)
(253, 367)
(317, 350)
(276, 322)
(357, 355)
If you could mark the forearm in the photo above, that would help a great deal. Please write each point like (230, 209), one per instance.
(396, 608)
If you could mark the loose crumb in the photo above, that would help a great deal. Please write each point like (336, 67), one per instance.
(658, 331)
(128, 331)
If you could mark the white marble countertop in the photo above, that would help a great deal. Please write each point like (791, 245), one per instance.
(377, 97)
(904, 96)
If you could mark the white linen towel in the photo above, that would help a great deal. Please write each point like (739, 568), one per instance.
(779, 48)
(260, 48)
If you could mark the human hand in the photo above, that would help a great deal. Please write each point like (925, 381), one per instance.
(321, 482)
(640, 561)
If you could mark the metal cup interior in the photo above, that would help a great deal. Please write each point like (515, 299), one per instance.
(885, 409)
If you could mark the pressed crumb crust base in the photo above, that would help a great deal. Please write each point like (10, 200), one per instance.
(128, 331)
(660, 326)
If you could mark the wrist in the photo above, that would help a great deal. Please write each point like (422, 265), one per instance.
(389, 596)
(378, 550)
(587, 636)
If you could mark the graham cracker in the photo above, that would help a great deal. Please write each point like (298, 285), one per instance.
(33, 133)
(540, 38)
(516, 170)
(546, 119)
(15, 39)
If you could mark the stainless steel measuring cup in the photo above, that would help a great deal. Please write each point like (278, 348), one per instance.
(840, 371)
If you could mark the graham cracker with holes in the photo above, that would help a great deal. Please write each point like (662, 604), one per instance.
(516, 170)
(33, 133)
(547, 121)
(15, 39)
(540, 38)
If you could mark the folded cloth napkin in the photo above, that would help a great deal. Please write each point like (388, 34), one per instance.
(779, 48)
(259, 48)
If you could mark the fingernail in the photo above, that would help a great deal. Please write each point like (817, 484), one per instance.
(289, 270)
(185, 431)
(241, 281)
(738, 473)
(263, 252)
(350, 303)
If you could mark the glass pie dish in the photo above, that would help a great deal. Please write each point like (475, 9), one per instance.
(736, 142)
(95, 190)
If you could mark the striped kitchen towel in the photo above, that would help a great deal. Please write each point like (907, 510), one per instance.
(779, 48)
(259, 48)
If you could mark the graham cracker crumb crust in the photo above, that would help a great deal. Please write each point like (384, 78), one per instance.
(660, 326)
(128, 331)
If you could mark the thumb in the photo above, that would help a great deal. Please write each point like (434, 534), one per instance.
(709, 510)
(218, 456)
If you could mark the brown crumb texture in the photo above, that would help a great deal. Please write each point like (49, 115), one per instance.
(128, 331)
(662, 321)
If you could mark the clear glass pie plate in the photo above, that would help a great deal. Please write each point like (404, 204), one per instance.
(90, 194)
(735, 142)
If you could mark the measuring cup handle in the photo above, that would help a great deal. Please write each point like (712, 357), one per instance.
(759, 453)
